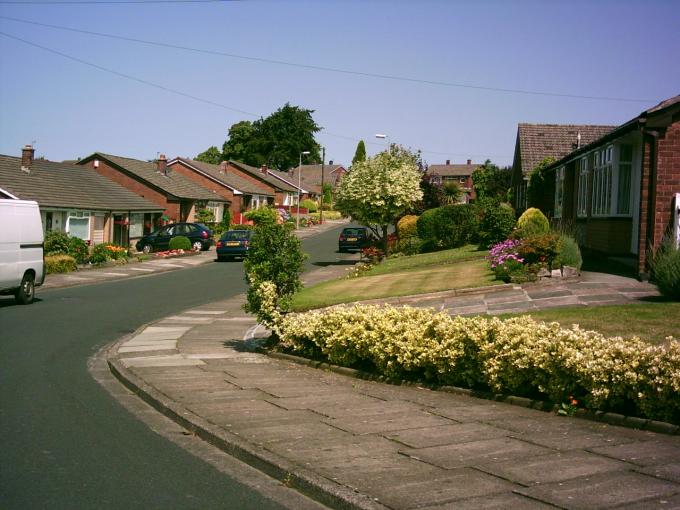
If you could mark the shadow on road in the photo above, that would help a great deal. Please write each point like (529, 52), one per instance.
(335, 263)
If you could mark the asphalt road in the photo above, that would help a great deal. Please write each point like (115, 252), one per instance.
(68, 444)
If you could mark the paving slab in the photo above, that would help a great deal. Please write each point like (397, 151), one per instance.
(644, 453)
(501, 501)
(386, 422)
(602, 491)
(669, 471)
(446, 434)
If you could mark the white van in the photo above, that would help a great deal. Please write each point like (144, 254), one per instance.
(22, 265)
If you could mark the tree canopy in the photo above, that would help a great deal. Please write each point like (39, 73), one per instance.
(212, 155)
(380, 189)
(360, 154)
(490, 181)
(236, 145)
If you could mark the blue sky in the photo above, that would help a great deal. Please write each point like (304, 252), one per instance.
(621, 49)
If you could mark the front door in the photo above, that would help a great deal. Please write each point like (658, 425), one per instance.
(120, 230)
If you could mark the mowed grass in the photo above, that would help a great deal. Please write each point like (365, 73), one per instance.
(652, 322)
(403, 276)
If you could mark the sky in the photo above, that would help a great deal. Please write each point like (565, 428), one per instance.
(138, 100)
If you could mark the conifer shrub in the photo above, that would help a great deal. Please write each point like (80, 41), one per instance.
(179, 243)
(407, 226)
(496, 221)
(666, 270)
(532, 222)
(568, 252)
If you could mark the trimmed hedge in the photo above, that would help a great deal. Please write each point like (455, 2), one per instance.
(60, 264)
(532, 222)
(179, 243)
(517, 356)
(449, 226)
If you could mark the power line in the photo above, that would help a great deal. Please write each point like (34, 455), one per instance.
(181, 93)
(323, 68)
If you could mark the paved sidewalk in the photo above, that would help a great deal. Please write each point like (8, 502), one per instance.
(353, 443)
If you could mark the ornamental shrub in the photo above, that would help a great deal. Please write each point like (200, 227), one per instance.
(106, 252)
(56, 243)
(60, 264)
(205, 216)
(274, 256)
(516, 356)
(262, 215)
(568, 252)
(532, 222)
(78, 249)
(496, 221)
(455, 225)
(539, 249)
(309, 204)
(180, 243)
(426, 225)
(666, 270)
(407, 227)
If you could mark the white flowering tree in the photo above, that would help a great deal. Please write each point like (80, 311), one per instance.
(377, 191)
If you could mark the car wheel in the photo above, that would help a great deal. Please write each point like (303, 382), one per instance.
(197, 246)
(146, 249)
(25, 294)
(341, 250)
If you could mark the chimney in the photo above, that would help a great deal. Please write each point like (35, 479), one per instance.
(223, 167)
(448, 162)
(264, 169)
(469, 162)
(27, 154)
(162, 165)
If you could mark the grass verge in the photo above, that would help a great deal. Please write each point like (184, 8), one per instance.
(417, 274)
(652, 322)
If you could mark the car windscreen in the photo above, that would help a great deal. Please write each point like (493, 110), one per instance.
(236, 235)
(358, 232)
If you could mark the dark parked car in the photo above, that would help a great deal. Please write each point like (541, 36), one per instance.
(354, 239)
(199, 235)
(233, 243)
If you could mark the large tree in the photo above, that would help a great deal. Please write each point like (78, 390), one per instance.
(237, 145)
(379, 190)
(360, 153)
(211, 155)
(490, 181)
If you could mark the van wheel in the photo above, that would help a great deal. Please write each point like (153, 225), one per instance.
(25, 294)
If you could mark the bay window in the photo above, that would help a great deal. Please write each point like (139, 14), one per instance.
(582, 202)
(602, 181)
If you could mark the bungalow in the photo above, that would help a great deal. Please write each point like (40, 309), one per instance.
(285, 193)
(535, 142)
(460, 174)
(75, 200)
(618, 192)
(310, 177)
(177, 196)
(240, 193)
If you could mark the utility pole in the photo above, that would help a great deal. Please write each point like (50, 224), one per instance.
(323, 162)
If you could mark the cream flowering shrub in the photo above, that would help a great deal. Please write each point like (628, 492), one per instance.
(516, 356)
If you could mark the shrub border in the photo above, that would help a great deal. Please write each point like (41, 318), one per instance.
(620, 420)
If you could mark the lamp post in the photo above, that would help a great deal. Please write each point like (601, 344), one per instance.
(297, 219)
(386, 138)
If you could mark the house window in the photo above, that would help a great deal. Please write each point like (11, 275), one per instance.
(136, 224)
(216, 209)
(582, 205)
(559, 191)
(625, 170)
(78, 224)
(602, 181)
(289, 198)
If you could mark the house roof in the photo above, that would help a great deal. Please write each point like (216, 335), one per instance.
(269, 179)
(656, 113)
(461, 170)
(287, 178)
(173, 183)
(310, 176)
(53, 184)
(539, 141)
(230, 180)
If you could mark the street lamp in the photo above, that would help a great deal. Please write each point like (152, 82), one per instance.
(297, 219)
(384, 137)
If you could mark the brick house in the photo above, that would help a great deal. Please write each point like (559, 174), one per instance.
(240, 193)
(310, 177)
(75, 200)
(535, 142)
(178, 197)
(618, 192)
(284, 193)
(461, 174)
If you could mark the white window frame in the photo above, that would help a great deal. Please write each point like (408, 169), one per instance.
(78, 215)
(582, 201)
(602, 182)
(618, 181)
(559, 192)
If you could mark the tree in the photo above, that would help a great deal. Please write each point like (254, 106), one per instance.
(360, 154)
(490, 181)
(538, 180)
(381, 189)
(211, 155)
(236, 146)
(433, 193)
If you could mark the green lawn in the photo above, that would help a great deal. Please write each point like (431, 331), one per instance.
(417, 274)
(652, 322)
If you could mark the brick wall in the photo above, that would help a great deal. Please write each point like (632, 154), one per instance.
(171, 209)
(221, 190)
(667, 180)
(249, 177)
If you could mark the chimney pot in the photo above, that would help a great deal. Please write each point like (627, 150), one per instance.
(264, 169)
(448, 161)
(469, 162)
(223, 167)
(27, 155)
(163, 164)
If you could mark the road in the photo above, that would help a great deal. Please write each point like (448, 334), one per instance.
(66, 442)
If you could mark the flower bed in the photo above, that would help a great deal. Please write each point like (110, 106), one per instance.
(517, 356)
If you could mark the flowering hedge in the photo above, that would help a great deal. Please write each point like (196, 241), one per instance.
(517, 356)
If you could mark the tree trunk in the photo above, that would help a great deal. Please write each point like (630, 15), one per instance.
(384, 236)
